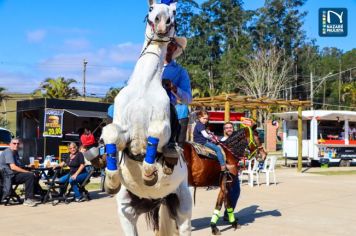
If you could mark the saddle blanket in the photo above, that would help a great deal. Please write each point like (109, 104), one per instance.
(203, 152)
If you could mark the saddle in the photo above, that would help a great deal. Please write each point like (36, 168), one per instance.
(203, 152)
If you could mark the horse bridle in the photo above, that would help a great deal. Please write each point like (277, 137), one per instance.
(252, 142)
(158, 39)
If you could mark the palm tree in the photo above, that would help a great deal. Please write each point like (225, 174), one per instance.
(57, 88)
(349, 93)
(2, 95)
(111, 94)
(3, 120)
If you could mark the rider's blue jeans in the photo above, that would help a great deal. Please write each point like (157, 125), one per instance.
(218, 152)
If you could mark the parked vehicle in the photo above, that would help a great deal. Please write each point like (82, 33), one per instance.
(5, 138)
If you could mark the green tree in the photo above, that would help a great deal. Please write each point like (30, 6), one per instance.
(348, 61)
(349, 94)
(330, 61)
(217, 41)
(57, 88)
(185, 12)
(279, 23)
(111, 94)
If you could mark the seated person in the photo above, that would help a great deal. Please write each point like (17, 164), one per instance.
(201, 136)
(87, 139)
(77, 172)
(9, 159)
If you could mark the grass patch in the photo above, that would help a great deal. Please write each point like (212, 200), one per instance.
(93, 186)
(345, 172)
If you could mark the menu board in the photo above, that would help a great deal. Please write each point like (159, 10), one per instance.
(53, 122)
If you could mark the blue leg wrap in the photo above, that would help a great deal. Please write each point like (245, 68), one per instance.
(151, 150)
(111, 162)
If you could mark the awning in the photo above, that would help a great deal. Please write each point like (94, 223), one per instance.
(219, 116)
(319, 115)
(89, 114)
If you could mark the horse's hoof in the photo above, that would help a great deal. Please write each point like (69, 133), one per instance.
(167, 170)
(215, 230)
(235, 225)
(111, 191)
(152, 180)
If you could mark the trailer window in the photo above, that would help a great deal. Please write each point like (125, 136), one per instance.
(328, 128)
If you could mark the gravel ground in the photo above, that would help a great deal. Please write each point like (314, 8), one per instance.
(300, 204)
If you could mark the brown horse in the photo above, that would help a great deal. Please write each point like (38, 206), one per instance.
(203, 172)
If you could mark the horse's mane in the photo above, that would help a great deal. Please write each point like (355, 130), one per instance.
(237, 142)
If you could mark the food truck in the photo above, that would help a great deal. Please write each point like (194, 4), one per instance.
(327, 134)
(46, 126)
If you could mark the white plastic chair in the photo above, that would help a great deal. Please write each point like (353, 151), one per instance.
(251, 171)
(269, 167)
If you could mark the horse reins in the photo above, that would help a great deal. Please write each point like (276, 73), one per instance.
(152, 39)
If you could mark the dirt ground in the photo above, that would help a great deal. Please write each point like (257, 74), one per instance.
(300, 204)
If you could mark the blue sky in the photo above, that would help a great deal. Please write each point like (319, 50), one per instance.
(50, 38)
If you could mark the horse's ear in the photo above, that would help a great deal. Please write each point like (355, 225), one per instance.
(182, 44)
(173, 6)
(151, 2)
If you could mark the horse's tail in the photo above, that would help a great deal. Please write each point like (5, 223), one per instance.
(168, 215)
(170, 202)
(152, 218)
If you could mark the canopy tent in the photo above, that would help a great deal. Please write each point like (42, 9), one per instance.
(319, 115)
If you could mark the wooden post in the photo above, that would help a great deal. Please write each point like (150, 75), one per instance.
(254, 115)
(300, 138)
(227, 111)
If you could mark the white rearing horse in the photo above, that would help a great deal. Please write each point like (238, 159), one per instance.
(141, 113)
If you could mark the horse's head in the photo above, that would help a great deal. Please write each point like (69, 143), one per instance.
(255, 145)
(161, 21)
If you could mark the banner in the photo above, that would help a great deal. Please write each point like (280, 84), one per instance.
(53, 122)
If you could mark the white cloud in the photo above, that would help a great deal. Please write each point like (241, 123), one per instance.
(71, 31)
(36, 36)
(18, 82)
(76, 44)
(126, 52)
(107, 67)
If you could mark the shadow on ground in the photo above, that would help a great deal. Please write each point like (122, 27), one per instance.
(97, 194)
(245, 217)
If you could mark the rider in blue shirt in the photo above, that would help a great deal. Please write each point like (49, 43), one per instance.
(176, 81)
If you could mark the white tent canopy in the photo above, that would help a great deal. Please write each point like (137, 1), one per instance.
(319, 115)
